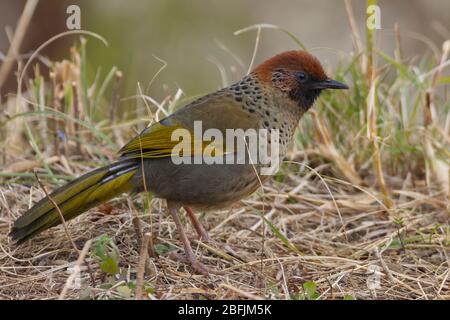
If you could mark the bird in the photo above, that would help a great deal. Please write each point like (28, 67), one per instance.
(273, 96)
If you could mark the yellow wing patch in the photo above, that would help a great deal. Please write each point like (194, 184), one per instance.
(157, 141)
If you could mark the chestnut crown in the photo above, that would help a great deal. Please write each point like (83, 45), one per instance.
(299, 74)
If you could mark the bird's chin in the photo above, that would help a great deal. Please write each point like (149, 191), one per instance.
(305, 98)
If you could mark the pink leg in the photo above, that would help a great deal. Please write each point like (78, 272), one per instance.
(202, 233)
(199, 267)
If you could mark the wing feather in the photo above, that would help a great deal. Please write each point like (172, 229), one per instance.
(218, 110)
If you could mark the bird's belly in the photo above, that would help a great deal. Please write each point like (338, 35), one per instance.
(199, 185)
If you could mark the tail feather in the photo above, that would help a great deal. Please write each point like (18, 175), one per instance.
(75, 198)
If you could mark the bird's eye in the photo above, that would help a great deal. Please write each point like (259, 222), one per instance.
(301, 76)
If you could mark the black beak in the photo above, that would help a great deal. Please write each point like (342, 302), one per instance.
(329, 84)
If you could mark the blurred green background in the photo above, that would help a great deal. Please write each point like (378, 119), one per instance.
(196, 37)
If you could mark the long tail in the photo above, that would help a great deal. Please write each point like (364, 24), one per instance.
(75, 198)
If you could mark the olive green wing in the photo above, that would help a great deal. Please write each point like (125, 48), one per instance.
(215, 111)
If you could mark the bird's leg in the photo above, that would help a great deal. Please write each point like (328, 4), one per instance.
(201, 231)
(199, 267)
(203, 234)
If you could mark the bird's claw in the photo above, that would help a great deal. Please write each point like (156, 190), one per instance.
(196, 265)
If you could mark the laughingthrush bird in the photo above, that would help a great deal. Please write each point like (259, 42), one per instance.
(274, 96)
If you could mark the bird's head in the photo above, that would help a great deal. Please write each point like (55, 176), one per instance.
(297, 73)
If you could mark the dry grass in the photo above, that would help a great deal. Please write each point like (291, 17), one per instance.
(339, 247)
(361, 209)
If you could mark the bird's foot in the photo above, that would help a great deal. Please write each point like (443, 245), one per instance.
(196, 265)
(211, 242)
(189, 253)
(204, 239)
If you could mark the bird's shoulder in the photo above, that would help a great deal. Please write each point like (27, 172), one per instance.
(224, 109)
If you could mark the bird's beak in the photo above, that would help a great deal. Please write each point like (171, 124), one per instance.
(330, 84)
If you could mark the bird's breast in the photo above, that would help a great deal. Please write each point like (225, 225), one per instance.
(276, 111)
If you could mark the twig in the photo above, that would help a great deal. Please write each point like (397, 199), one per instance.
(241, 292)
(141, 266)
(138, 229)
(57, 106)
(351, 18)
(388, 272)
(255, 49)
(77, 270)
(63, 221)
(13, 51)
(115, 100)
(77, 115)
(373, 137)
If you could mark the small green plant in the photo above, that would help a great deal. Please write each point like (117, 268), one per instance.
(309, 292)
(310, 288)
(162, 248)
(127, 290)
(107, 254)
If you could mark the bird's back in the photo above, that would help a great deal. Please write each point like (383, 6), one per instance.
(247, 104)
